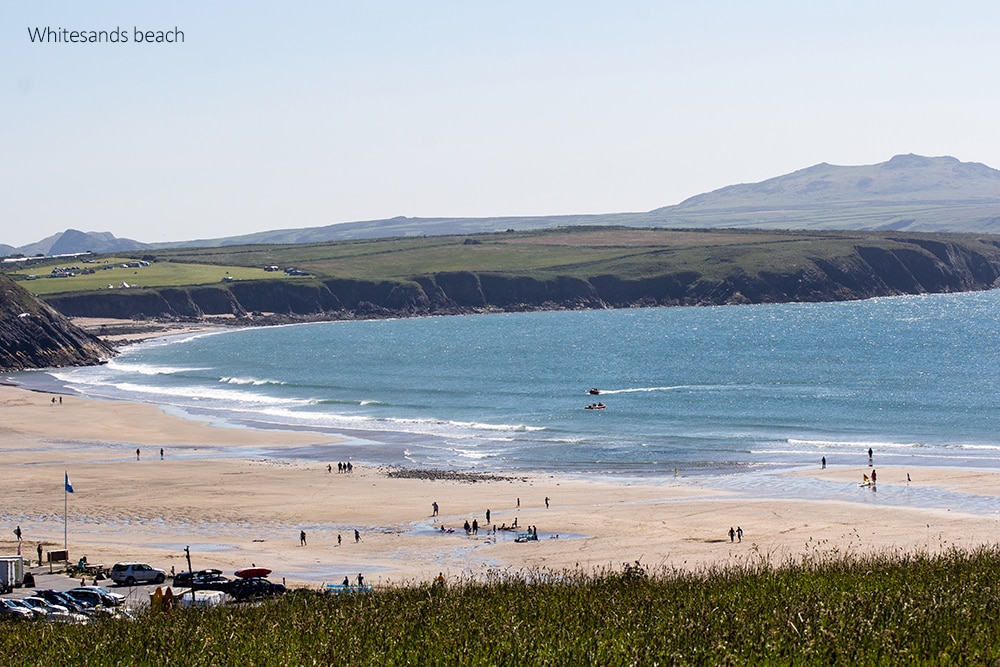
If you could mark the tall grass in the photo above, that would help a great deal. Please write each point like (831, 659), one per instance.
(886, 609)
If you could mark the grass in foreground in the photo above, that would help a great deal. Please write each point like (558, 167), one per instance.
(880, 610)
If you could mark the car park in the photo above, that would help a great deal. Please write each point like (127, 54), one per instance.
(130, 574)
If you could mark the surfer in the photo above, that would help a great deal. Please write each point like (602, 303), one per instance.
(732, 534)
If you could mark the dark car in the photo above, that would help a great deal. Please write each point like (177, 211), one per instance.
(60, 598)
(10, 609)
(203, 580)
(254, 588)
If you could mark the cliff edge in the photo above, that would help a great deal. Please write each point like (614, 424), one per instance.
(33, 335)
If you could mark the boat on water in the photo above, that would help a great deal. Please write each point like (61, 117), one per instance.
(595, 406)
(594, 391)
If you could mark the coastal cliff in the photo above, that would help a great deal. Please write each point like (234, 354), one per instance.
(892, 266)
(33, 335)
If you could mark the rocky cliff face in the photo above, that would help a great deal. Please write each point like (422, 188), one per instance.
(906, 266)
(33, 335)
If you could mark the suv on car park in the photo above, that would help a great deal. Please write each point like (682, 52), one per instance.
(130, 574)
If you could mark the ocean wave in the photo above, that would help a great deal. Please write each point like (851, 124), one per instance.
(126, 367)
(251, 381)
(232, 399)
(861, 445)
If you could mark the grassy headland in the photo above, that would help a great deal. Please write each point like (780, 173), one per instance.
(580, 267)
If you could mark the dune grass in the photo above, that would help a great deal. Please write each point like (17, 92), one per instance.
(888, 609)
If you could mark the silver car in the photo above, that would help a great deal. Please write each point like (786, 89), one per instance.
(130, 574)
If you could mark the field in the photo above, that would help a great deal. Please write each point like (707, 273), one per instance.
(833, 610)
(109, 273)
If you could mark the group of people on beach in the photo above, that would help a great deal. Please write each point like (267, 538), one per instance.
(341, 467)
(736, 534)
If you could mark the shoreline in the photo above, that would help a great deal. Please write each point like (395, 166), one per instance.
(215, 492)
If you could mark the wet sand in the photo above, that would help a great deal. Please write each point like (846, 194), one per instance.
(215, 492)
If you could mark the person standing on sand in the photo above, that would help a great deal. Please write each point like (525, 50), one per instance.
(338, 539)
(161, 453)
(732, 534)
(487, 516)
(546, 502)
(434, 508)
(357, 536)
(17, 533)
(136, 453)
(361, 581)
(739, 534)
(873, 475)
(302, 538)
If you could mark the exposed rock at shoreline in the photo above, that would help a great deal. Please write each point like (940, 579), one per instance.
(449, 475)
(33, 335)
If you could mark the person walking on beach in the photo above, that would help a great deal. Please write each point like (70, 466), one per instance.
(338, 539)
(739, 534)
(434, 508)
(870, 453)
(518, 503)
(873, 475)
(475, 527)
(361, 581)
(302, 538)
(136, 453)
(161, 453)
(17, 533)
(546, 502)
(732, 534)
(823, 462)
(357, 536)
(487, 516)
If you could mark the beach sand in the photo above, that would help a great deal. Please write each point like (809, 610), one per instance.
(213, 492)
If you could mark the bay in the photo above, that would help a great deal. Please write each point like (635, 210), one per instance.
(720, 389)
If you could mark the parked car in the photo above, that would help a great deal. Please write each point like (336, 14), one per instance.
(254, 588)
(8, 609)
(96, 596)
(56, 612)
(37, 612)
(60, 598)
(203, 580)
(130, 574)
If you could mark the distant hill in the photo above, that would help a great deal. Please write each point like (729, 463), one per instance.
(74, 241)
(906, 193)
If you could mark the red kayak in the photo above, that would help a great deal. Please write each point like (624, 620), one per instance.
(250, 572)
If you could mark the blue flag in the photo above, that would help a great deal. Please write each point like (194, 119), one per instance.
(69, 487)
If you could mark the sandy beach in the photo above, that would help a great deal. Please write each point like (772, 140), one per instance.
(213, 492)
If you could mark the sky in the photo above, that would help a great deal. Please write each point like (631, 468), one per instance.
(303, 113)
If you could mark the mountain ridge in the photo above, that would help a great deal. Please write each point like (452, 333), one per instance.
(908, 192)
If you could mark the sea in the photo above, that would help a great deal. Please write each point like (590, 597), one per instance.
(724, 391)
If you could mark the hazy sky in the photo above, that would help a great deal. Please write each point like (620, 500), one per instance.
(305, 113)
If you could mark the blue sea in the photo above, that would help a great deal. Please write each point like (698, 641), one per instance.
(699, 390)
